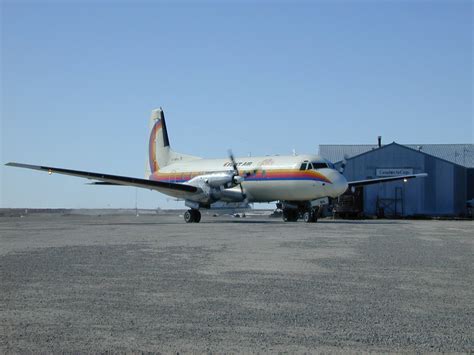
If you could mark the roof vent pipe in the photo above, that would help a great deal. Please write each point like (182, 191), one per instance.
(379, 138)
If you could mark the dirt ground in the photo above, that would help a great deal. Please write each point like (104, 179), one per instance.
(153, 283)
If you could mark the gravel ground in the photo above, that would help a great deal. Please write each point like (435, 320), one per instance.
(154, 283)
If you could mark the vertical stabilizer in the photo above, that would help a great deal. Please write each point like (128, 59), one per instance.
(159, 144)
(159, 150)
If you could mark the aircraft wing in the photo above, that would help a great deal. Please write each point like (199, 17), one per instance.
(386, 179)
(106, 179)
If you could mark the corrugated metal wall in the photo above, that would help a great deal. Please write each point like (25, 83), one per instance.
(439, 187)
(443, 192)
(470, 184)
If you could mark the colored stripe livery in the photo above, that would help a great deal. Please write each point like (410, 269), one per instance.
(154, 167)
(269, 175)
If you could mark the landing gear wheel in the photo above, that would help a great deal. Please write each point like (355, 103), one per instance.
(192, 216)
(188, 216)
(315, 214)
(308, 217)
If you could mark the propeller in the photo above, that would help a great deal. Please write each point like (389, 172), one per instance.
(236, 174)
(236, 178)
(343, 164)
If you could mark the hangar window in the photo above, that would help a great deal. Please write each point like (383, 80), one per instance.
(319, 165)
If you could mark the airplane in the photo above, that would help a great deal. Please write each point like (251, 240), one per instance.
(300, 183)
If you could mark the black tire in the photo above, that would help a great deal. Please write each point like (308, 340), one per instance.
(197, 216)
(308, 217)
(189, 216)
(314, 215)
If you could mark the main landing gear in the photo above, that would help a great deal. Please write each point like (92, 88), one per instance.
(192, 216)
(309, 215)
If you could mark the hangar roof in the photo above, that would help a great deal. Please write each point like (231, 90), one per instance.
(461, 154)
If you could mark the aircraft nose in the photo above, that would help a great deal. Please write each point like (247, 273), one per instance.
(339, 183)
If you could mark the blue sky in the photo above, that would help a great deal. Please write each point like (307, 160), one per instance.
(79, 80)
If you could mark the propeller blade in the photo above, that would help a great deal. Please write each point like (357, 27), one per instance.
(236, 173)
(244, 195)
(232, 159)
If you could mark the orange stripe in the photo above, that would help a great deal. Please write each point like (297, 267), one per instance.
(268, 174)
(152, 147)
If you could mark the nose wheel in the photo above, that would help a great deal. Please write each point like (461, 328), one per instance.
(192, 216)
(310, 216)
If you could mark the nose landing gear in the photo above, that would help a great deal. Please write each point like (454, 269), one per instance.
(192, 216)
(311, 216)
(307, 213)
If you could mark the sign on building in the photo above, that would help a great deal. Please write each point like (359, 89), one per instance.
(386, 172)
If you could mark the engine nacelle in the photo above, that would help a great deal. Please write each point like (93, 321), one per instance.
(216, 180)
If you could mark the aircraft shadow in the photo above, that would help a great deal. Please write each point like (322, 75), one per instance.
(355, 221)
(248, 221)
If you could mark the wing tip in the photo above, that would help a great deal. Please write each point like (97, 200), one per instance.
(27, 166)
(20, 165)
(421, 175)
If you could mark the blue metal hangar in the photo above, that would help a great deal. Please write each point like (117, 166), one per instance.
(445, 192)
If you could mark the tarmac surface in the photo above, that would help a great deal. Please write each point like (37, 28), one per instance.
(153, 283)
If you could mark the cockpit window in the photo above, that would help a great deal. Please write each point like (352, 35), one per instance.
(303, 166)
(331, 165)
(317, 165)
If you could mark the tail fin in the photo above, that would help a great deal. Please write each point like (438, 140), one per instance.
(159, 150)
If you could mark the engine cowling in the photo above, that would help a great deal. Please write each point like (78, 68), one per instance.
(216, 180)
(216, 187)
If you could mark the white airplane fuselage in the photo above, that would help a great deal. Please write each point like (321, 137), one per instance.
(271, 178)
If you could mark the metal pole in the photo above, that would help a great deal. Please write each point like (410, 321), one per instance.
(136, 201)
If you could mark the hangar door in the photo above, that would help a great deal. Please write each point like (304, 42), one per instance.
(387, 200)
